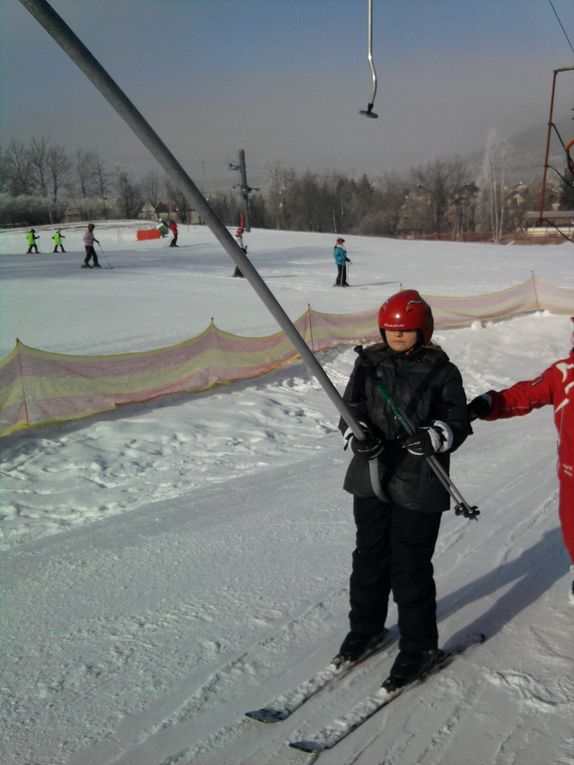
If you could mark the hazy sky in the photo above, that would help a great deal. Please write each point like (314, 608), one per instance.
(285, 80)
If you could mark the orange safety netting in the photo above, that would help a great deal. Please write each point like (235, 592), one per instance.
(40, 388)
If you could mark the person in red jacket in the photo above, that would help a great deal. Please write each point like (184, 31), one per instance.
(554, 386)
(173, 229)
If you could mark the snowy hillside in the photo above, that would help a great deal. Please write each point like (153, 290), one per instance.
(165, 568)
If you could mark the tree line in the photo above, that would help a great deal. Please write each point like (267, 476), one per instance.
(41, 182)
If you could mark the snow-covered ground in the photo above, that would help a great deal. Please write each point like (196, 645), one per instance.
(166, 567)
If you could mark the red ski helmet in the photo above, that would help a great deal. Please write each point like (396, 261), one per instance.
(407, 311)
(91, 226)
(340, 240)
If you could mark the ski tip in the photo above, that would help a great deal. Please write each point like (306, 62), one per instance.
(307, 746)
(266, 715)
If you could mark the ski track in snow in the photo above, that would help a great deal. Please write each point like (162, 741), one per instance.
(166, 568)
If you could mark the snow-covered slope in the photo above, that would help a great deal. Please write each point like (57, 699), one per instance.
(167, 567)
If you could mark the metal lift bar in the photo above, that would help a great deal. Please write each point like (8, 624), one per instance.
(77, 51)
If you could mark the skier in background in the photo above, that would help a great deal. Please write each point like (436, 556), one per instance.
(239, 236)
(554, 386)
(58, 236)
(89, 240)
(31, 239)
(173, 229)
(341, 259)
(396, 538)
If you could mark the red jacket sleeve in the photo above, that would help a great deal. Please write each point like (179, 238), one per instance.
(522, 397)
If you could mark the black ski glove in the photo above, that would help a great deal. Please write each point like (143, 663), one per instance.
(369, 448)
(429, 440)
(479, 408)
(420, 443)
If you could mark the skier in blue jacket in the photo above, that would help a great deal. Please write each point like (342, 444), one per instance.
(341, 259)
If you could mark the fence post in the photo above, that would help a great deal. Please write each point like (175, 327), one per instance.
(21, 378)
(535, 291)
(310, 318)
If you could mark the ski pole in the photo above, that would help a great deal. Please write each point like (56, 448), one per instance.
(55, 26)
(462, 507)
(104, 255)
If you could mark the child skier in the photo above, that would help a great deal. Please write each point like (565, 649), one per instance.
(341, 259)
(89, 240)
(396, 538)
(554, 386)
(58, 236)
(31, 239)
(173, 229)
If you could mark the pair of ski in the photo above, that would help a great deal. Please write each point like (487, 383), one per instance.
(331, 734)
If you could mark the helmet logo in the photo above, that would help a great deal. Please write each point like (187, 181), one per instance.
(412, 303)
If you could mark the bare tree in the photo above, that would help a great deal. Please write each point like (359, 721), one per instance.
(38, 153)
(152, 188)
(279, 182)
(225, 206)
(101, 181)
(18, 169)
(491, 183)
(3, 173)
(84, 167)
(177, 201)
(129, 194)
(59, 166)
(394, 190)
(441, 179)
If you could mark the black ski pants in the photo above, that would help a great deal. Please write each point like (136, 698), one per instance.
(90, 255)
(394, 549)
(341, 275)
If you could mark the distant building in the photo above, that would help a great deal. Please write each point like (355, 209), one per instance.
(164, 212)
(147, 212)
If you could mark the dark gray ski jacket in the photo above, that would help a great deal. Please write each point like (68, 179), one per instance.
(426, 386)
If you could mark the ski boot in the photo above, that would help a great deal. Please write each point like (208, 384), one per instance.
(356, 645)
(410, 666)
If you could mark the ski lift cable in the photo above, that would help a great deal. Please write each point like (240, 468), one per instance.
(558, 229)
(562, 177)
(368, 112)
(561, 25)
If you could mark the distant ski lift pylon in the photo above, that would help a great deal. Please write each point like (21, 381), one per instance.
(555, 217)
